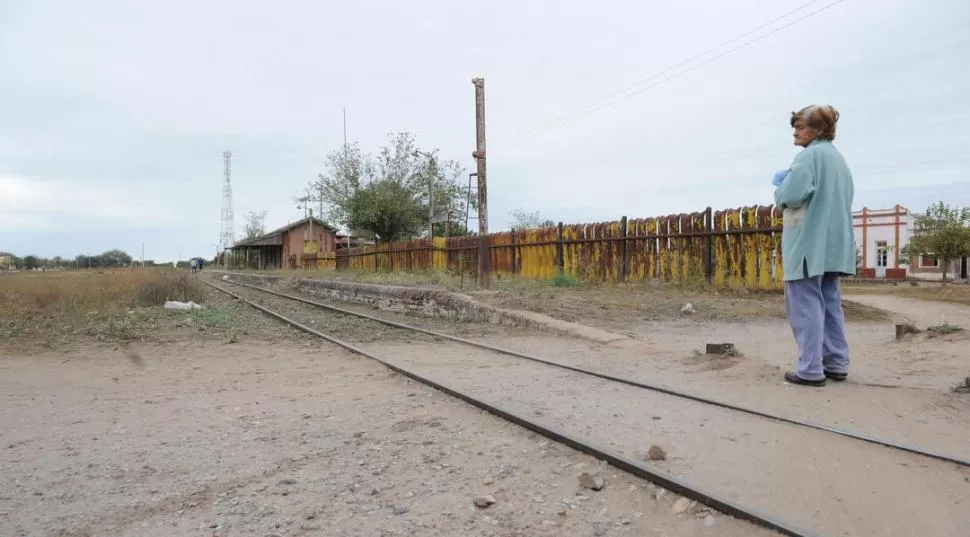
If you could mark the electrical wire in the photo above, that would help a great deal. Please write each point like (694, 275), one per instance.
(617, 97)
(671, 68)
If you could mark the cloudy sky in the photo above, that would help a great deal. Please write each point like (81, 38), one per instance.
(114, 114)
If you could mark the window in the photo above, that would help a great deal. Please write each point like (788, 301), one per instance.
(929, 261)
(882, 254)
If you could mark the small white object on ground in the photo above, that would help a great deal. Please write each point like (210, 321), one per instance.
(484, 500)
(225, 277)
(175, 305)
(688, 308)
(681, 506)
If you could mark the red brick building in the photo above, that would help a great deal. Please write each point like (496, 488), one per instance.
(305, 244)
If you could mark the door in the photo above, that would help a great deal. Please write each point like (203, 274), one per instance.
(882, 258)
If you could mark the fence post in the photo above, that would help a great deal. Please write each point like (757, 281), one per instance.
(390, 257)
(410, 255)
(514, 271)
(709, 245)
(559, 251)
(624, 251)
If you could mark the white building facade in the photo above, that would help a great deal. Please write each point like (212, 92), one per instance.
(880, 237)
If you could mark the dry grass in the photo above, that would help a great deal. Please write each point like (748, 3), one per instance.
(430, 279)
(600, 304)
(607, 306)
(604, 305)
(956, 293)
(46, 307)
(454, 282)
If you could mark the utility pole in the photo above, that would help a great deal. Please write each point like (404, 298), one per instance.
(484, 263)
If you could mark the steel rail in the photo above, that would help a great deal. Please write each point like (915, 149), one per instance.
(629, 382)
(622, 462)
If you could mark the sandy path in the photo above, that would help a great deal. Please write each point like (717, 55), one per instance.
(852, 488)
(665, 353)
(923, 313)
(282, 438)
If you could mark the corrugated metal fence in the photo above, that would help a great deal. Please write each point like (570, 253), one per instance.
(731, 248)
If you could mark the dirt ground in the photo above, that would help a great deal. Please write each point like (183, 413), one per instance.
(229, 424)
(877, 491)
(277, 435)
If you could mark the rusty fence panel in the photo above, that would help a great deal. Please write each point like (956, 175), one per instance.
(737, 248)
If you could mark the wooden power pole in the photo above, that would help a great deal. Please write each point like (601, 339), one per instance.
(484, 261)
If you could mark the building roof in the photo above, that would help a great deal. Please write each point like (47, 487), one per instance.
(881, 212)
(275, 237)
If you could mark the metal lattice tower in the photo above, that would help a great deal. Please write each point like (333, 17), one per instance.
(226, 236)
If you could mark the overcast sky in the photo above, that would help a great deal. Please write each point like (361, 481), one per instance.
(114, 115)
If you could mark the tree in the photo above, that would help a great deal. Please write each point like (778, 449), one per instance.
(115, 258)
(388, 195)
(524, 220)
(943, 232)
(255, 224)
(904, 255)
(31, 262)
(109, 259)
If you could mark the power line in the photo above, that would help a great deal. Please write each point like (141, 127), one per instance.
(667, 70)
(615, 97)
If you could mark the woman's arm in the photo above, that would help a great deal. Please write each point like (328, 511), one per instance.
(800, 183)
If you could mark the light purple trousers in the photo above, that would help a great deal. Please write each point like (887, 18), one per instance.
(814, 307)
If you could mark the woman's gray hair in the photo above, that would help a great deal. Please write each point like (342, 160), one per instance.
(821, 118)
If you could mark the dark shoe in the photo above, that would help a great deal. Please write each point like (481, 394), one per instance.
(837, 377)
(795, 379)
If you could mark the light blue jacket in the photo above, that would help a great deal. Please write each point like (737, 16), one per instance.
(816, 200)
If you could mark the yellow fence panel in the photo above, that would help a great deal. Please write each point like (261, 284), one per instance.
(731, 248)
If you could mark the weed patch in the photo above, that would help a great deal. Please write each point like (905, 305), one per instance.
(565, 280)
(49, 308)
(943, 329)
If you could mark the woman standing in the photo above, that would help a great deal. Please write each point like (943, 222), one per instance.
(818, 247)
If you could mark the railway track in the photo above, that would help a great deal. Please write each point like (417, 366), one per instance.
(620, 461)
(622, 380)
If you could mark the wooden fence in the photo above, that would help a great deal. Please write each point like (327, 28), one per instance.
(313, 260)
(732, 248)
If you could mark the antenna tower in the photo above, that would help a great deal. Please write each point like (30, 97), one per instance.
(226, 238)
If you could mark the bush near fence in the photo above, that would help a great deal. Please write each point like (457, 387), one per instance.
(731, 248)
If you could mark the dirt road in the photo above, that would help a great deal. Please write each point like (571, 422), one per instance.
(282, 439)
(924, 313)
(275, 435)
(862, 489)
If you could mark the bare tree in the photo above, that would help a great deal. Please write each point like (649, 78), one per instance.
(255, 224)
(523, 220)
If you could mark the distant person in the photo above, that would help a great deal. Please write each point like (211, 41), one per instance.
(817, 245)
(194, 264)
(201, 264)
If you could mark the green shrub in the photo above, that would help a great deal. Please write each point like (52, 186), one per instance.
(565, 280)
